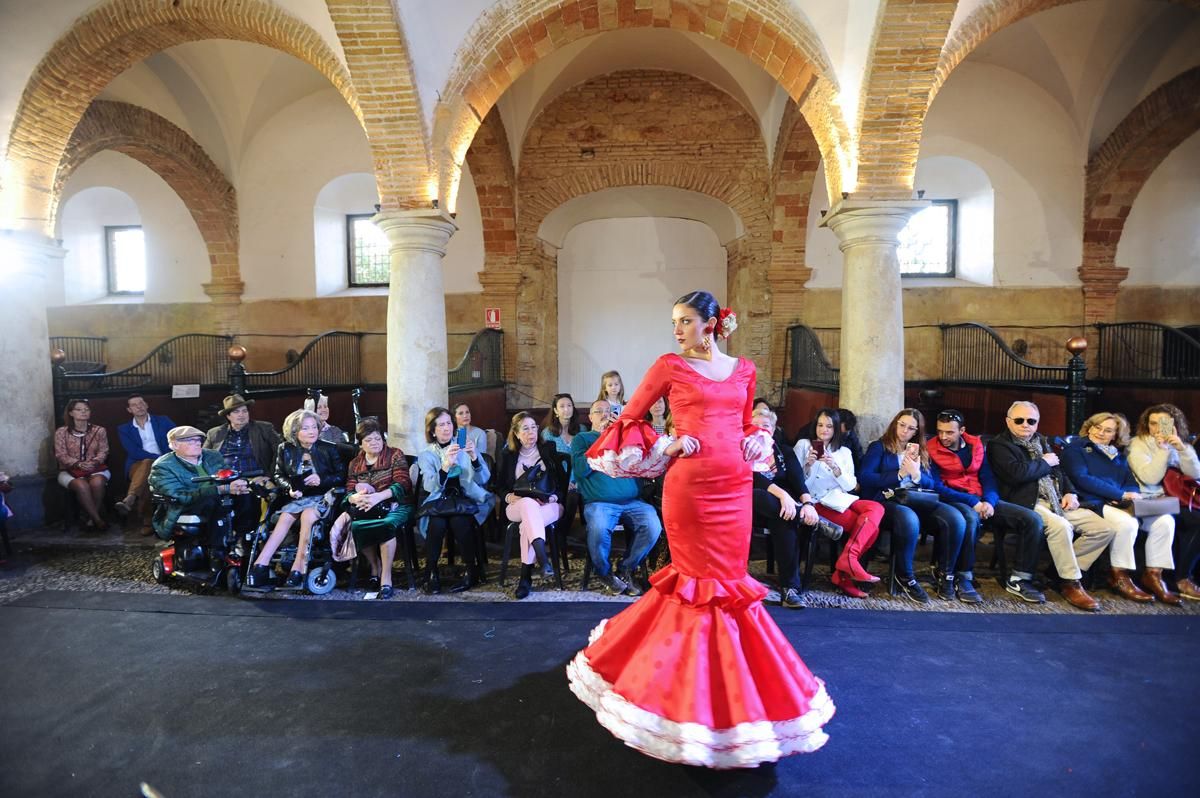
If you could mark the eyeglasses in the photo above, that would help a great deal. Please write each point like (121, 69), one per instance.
(1019, 421)
(909, 427)
(950, 415)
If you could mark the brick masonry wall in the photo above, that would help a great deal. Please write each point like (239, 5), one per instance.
(175, 157)
(644, 128)
(108, 40)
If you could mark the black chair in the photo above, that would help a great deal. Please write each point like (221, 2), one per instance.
(556, 538)
(420, 494)
(588, 566)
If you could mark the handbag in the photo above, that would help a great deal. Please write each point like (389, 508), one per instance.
(376, 513)
(79, 472)
(1184, 488)
(918, 500)
(535, 482)
(449, 503)
(1149, 508)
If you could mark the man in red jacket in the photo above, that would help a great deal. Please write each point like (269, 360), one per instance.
(964, 480)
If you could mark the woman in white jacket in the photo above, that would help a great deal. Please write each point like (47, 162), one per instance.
(829, 474)
(1161, 443)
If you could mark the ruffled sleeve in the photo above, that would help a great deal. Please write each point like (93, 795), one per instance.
(630, 448)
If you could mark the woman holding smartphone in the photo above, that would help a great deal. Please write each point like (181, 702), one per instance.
(829, 474)
(896, 461)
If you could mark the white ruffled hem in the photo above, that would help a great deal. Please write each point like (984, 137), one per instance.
(632, 462)
(745, 745)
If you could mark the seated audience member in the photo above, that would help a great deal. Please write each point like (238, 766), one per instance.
(171, 477)
(248, 446)
(612, 390)
(1161, 443)
(831, 479)
(523, 452)
(965, 481)
(329, 432)
(899, 460)
(1028, 474)
(462, 420)
(561, 426)
(850, 436)
(779, 435)
(306, 468)
(607, 502)
(451, 475)
(657, 415)
(782, 504)
(145, 439)
(378, 503)
(81, 449)
(1101, 474)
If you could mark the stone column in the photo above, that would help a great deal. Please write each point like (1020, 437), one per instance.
(26, 261)
(416, 321)
(872, 358)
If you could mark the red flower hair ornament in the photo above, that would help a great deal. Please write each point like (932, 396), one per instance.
(726, 323)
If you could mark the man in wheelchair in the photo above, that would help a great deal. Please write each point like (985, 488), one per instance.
(172, 478)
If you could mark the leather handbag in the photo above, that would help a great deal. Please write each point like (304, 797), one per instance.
(916, 499)
(1184, 488)
(452, 503)
(535, 482)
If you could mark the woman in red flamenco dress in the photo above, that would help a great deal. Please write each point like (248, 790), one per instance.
(695, 671)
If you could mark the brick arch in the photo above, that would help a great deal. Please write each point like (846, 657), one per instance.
(990, 17)
(512, 36)
(108, 40)
(490, 160)
(627, 129)
(1116, 173)
(182, 163)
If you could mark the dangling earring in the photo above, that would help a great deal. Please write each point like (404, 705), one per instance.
(706, 343)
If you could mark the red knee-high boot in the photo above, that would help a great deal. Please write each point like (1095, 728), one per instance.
(861, 539)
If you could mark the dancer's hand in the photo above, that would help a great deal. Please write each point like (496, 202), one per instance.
(684, 446)
(752, 448)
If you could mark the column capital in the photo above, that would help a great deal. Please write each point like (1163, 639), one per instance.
(500, 282)
(418, 230)
(857, 222)
(225, 292)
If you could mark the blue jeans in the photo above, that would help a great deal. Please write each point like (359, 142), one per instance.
(601, 517)
(906, 531)
(965, 565)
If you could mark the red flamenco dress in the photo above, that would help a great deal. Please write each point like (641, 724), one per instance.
(696, 671)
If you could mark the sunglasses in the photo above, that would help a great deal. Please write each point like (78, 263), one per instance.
(1030, 421)
(950, 415)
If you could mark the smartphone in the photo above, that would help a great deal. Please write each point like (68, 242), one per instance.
(913, 449)
(1166, 427)
(819, 448)
(462, 437)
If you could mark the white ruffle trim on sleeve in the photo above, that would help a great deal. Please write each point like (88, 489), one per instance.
(745, 745)
(632, 461)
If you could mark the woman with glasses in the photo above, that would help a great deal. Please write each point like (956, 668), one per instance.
(1162, 443)
(81, 449)
(829, 474)
(1095, 462)
(893, 467)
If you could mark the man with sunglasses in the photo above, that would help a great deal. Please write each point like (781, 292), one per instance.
(965, 481)
(1029, 475)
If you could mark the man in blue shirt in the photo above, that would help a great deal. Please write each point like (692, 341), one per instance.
(144, 438)
(607, 502)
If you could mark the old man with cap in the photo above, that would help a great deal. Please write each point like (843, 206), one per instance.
(248, 447)
(171, 477)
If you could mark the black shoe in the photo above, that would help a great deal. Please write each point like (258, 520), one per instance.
(523, 589)
(385, 593)
(945, 588)
(432, 585)
(613, 583)
(792, 600)
(373, 584)
(911, 589)
(631, 585)
(259, 577)
(463, 585)
(966, 591)
(295, 579)
(1024, 589)
(829, 529)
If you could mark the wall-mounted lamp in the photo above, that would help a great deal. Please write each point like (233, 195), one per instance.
(824, 212)
(434, 203)
(587, 153)
(378, 208)
(920, 193)
(845, 195)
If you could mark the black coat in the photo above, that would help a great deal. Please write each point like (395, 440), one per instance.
(1017, 475)
(788, 473)
(264, 441)
(506, 470)
(327, 463)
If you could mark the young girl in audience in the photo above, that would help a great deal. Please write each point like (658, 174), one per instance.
(612, 390)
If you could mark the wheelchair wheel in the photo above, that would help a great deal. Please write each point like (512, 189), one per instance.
(160, 570)
(321, 580)
(233, 581)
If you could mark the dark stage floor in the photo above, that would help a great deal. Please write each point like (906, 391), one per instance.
(218, 696)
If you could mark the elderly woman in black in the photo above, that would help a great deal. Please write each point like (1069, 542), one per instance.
(782, 504)
(306, 468)
(522, 453)
(378, 502)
